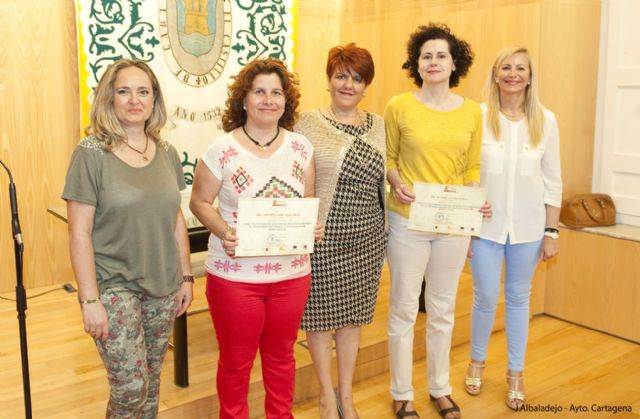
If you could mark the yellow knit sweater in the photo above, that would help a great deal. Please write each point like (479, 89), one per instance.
(426, 145)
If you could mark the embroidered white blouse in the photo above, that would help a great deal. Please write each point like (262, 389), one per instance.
(519, 179)
(243, 174)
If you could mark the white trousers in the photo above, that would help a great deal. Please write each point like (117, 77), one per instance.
(411, 255)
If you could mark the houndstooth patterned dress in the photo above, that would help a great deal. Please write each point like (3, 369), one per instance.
(346, 264)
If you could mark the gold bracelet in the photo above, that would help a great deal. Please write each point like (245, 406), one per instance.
(91, 301)
(224, 233)
(188, 278)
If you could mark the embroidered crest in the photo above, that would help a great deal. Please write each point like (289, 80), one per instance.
(196, 38)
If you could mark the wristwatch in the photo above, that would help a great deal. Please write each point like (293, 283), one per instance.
(551, 232)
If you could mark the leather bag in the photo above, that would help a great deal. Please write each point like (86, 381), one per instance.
(588, 210)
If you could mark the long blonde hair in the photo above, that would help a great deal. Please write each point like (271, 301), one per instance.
(103, 122)
(533, 109)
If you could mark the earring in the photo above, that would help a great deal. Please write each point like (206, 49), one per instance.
(244, 107)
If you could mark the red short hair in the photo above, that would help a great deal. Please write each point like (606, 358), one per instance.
(351, 57)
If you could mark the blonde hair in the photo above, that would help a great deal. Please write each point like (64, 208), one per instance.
(103, 122)
(533, 109)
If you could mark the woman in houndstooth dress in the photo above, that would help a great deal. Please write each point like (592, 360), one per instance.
(350, 161)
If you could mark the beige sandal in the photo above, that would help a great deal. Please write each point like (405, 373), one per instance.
(515, 397)
(473, 382)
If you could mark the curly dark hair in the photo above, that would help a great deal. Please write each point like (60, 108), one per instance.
(235, 116)
(459, 49)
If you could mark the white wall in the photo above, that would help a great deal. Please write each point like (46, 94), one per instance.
(617, 140)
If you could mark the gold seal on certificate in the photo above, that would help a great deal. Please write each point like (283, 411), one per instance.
(276, 226)
(447, 209)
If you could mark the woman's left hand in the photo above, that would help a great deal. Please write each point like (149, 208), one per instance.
(318, 232)
(486, 210)
(550, 248)
(185, 297)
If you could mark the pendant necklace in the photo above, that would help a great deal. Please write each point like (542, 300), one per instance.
(146, 145)
(261, 146)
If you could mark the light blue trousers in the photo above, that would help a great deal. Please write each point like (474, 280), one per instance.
(486, 265)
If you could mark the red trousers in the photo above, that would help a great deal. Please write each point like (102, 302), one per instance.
(249, 316)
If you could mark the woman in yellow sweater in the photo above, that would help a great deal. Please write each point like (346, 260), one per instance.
(433, 136)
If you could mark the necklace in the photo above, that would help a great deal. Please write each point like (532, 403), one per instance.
(512, 116)
(261, 146)
(146, 145)
(357, 116)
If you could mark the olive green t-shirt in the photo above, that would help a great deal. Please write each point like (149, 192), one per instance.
(136, 212)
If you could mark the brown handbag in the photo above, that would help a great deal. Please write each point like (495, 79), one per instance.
(588, 210)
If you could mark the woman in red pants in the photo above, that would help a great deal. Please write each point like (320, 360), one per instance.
(255, 302)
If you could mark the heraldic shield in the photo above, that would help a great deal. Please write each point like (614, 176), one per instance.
(197, 38)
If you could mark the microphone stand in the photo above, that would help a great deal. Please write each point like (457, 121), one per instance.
(21, 295)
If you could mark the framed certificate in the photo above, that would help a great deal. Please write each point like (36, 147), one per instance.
(276, 226)
(447, 209)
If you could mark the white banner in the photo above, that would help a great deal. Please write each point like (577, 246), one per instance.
(193, 46)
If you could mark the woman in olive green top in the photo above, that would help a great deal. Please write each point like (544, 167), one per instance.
(127, 235)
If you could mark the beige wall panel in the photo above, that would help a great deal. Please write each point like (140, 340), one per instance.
(371, 35)
(318, 31)
(363, 9)
(569, 42)
(38, 130)
(595, 282)
(487, 29)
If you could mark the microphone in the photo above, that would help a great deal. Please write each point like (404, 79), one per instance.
(15, 223)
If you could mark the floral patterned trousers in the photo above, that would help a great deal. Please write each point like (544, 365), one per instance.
(139, 328)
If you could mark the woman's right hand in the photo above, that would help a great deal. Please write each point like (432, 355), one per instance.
(95, 320)
(404, 195)
(230, 242)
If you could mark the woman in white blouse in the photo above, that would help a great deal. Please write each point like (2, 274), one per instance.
(521, 173)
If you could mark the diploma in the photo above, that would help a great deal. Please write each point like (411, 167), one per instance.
(276, 226)
(447, 209)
